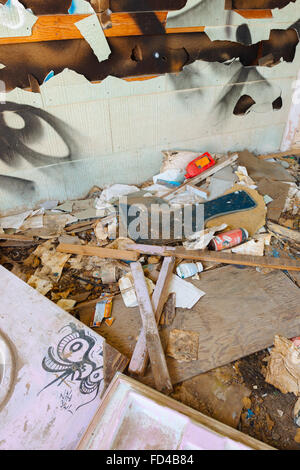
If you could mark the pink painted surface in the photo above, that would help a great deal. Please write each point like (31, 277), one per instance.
(128, 420)
(55, 380)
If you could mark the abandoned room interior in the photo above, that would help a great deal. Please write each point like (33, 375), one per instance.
(149, 226)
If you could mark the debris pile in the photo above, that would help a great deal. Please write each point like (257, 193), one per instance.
(111, 260)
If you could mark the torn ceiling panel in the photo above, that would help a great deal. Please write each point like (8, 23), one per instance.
(15, 20)
(256, 4)
(52, 7)
(211, 14)
(92, 32)
(163, 54)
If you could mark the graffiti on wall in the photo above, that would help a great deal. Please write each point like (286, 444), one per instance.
(159, 53)
(16, 143)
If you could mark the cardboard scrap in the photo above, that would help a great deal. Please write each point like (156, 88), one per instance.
(66, 304)
(258, 169)
(14, 221)
(283, 370)
(183, 345)
(41, 283)
(278, 192)
(254, 247)
(52, 261)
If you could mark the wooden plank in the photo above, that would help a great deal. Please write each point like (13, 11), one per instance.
(240, 313)
(169, 310)
(96, 251)
(140, 357)
(284, 231)
(155, 350)
(255, 14)
(243, 260)
(7, 236)
(113, 361)
(222, 163)
(219, 257)
(62, 27)
(280, 154)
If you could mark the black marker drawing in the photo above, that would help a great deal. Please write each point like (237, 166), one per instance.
(78, 359)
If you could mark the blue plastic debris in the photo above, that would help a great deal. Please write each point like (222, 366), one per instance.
(275, 253)
(50, 75)
(250, 414)
(72, 8)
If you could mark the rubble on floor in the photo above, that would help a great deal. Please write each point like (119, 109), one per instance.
(79, 254)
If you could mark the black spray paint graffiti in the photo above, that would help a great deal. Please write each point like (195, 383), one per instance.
(75, 358)
(15, 143)
(242, 103)
(235, 97)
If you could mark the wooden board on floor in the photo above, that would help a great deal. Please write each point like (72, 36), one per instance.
(239, 315)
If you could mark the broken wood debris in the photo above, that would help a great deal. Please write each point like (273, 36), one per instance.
(140, 356)
(96, 251)
(154, 346)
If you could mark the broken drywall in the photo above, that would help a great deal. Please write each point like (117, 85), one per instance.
(92, 32)
(66, 153)
(221, 24)
(15, 20)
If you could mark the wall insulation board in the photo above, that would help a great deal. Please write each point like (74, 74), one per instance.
(58, 143)
(75, 134)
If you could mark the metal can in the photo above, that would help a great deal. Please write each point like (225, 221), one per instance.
(228, 239)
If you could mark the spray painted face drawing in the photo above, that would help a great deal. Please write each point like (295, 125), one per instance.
(77, 363)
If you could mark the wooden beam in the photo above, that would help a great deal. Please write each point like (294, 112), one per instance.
(140, 357)
(62, 27)
(280, 154)
(244, 260)
(156, 353)
(255, 14)
(284, 231)
(226, 258)
(96, 251)
(22, 238)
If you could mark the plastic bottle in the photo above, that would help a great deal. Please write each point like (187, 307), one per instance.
(185, 270)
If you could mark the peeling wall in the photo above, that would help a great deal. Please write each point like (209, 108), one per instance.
(211, 95)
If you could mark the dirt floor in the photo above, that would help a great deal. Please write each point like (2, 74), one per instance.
(266, 413)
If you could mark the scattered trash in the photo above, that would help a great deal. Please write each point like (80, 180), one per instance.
(77, 254)
(185, 270)
(102, 311)
(199, 165)
(187, 295)
(127, 290)
(228, 239)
